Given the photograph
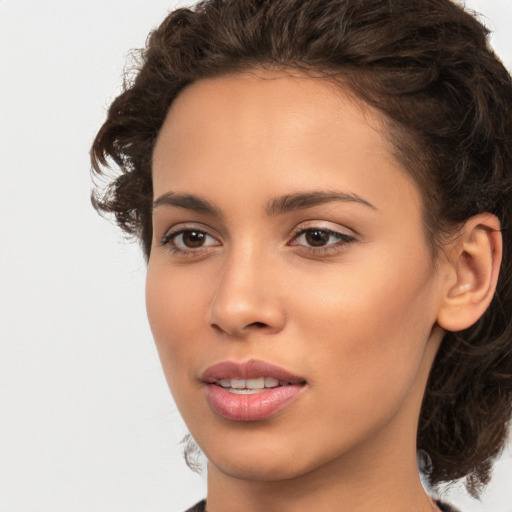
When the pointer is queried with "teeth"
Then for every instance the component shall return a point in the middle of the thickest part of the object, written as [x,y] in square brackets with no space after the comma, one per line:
[247,386]
[244,391]
[255,383]
[270,382]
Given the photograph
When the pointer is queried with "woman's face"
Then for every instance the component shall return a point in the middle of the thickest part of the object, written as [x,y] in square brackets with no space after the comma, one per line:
[289,253]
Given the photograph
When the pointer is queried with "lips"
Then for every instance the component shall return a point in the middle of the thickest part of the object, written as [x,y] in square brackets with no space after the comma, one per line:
[251,369]
[250,391]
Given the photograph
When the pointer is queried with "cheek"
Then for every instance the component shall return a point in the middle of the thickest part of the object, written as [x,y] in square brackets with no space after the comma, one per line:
[366,329]
[176,311]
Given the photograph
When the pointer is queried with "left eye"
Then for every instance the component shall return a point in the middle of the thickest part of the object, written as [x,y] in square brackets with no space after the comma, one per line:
[187,239]
[317,237]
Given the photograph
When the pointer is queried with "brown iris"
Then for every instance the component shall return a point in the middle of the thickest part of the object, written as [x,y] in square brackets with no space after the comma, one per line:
[317,237]
[193,238]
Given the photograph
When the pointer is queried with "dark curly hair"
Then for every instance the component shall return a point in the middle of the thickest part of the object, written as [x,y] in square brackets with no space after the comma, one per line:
[447,98]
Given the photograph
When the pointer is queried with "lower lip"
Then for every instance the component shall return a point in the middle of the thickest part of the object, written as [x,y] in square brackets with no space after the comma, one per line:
[253,407]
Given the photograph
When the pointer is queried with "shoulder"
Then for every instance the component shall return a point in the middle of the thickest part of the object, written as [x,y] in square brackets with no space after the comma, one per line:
[198,507]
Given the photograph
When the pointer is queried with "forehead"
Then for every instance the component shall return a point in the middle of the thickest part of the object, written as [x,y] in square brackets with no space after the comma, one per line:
[290,131]
[273,105]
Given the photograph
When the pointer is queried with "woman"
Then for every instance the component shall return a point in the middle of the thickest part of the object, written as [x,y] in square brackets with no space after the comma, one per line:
[322,190]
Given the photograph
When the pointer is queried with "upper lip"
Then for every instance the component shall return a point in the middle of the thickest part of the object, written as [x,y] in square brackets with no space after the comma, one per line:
[251,369]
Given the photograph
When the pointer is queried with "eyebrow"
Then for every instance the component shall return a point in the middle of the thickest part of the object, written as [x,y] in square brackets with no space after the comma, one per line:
[276,206]
[187,202]
[302,200]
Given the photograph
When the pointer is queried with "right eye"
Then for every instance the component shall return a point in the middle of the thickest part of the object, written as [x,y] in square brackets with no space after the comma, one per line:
[189,240]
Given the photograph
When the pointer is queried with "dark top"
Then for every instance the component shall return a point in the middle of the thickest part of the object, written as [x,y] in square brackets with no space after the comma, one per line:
[201,507]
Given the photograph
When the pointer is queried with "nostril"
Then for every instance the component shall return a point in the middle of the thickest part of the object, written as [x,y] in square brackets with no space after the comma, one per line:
[257,324]
[216,327]
[235,331]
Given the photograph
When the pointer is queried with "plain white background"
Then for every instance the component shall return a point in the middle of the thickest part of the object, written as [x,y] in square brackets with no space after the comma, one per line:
[86,421]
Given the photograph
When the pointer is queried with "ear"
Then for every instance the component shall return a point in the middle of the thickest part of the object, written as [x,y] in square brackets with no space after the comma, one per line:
[473,265]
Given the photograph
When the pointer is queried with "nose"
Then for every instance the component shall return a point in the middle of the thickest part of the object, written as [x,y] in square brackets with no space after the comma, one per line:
[248,297]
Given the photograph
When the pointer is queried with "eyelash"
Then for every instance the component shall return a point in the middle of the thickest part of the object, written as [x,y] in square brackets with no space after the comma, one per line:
[343,240]
[169,241]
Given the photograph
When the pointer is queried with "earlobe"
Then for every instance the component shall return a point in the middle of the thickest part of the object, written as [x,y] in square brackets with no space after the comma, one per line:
[474,263]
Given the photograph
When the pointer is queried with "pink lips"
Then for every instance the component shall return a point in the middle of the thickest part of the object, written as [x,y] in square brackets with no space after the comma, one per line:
[250,407]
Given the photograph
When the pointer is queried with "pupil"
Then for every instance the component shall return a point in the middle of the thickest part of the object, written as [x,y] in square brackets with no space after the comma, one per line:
[316,237]
[193,238]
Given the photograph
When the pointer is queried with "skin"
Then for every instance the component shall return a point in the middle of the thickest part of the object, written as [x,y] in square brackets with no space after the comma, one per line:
[357,320]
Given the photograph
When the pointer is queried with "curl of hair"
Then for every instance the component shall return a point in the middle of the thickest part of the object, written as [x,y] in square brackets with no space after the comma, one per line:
[447,98]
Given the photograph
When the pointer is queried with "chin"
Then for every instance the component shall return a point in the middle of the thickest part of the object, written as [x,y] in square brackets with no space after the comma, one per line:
[250,453]
[265,456]
[266,468]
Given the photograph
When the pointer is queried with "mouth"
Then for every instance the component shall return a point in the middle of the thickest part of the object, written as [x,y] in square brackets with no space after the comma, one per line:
[250,386]
[250,391]
[251,376]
